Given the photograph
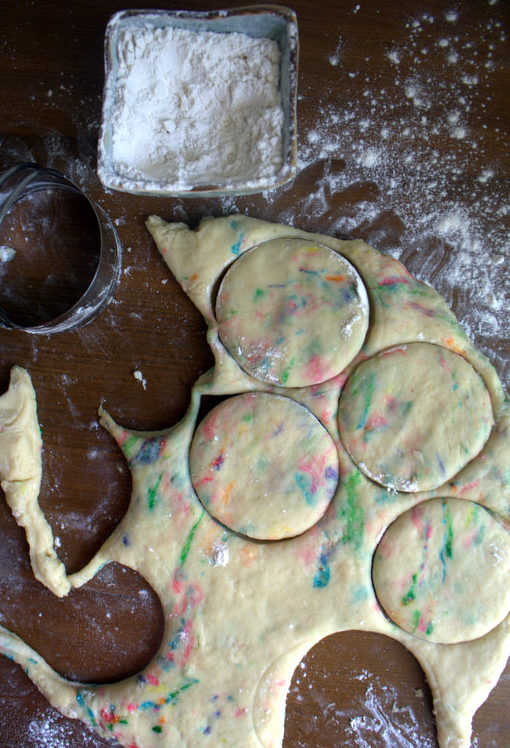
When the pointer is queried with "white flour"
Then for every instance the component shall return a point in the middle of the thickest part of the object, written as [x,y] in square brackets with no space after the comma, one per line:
[197,108]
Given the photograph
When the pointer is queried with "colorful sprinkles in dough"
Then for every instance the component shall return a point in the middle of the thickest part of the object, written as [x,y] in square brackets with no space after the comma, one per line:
[264,466]
[413,416]
[292,312]
[441,571]
[240,613]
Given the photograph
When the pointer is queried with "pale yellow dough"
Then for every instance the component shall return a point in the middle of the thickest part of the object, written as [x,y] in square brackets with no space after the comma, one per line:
[441,571]
[239,614]
[20,476]
[414,415]
[264,466]
[292,312]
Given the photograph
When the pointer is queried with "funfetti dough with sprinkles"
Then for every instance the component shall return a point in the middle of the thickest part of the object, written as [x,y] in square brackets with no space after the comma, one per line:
[264,466]
[413,415]
[359,481]
[292,312]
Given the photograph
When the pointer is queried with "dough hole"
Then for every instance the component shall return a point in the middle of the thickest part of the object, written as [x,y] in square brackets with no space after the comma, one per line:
[358,688]
[413,416]
[84,521]
[292,312]
[441,571]
[106,631]
[263,465]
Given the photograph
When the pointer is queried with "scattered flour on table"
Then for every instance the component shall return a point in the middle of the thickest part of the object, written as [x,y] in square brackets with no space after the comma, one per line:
[376,717]
[47,731]
[6,253]
[383,720]
[397,156]
[196,107]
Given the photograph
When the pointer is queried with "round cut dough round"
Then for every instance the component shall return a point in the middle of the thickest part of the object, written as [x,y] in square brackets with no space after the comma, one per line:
[412,416]
[264,466]
[441,571]
[292,312]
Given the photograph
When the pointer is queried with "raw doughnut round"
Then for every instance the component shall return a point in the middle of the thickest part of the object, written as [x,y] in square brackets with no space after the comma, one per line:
[292,312]
[263,465]
[441,571]
[412,416]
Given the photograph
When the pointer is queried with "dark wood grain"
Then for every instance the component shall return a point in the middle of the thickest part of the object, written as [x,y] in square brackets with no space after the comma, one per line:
[51,73]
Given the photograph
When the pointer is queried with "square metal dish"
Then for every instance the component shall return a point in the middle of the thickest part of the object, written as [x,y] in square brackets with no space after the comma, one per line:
[272,22]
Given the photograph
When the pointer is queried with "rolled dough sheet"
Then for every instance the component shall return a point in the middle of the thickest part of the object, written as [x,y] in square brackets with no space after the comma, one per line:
[240,613]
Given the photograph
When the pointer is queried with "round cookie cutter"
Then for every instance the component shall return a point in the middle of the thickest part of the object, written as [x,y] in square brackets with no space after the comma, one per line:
[23,181]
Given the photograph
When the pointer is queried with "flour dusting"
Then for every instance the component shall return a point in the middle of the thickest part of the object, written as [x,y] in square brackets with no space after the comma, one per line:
[376,715]
[196,108]
[378,721]
[49,730]
[6,253]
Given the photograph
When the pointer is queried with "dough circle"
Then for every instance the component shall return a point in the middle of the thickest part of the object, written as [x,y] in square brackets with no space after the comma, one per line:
[263,465]
[412,416]
[441,571]
[292,312]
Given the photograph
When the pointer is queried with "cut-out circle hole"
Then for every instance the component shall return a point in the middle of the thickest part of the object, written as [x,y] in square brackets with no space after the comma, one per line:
[103,632]
[359,688]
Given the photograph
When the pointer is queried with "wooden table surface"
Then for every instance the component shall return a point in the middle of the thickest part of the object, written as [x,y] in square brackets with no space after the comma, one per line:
[403,141]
